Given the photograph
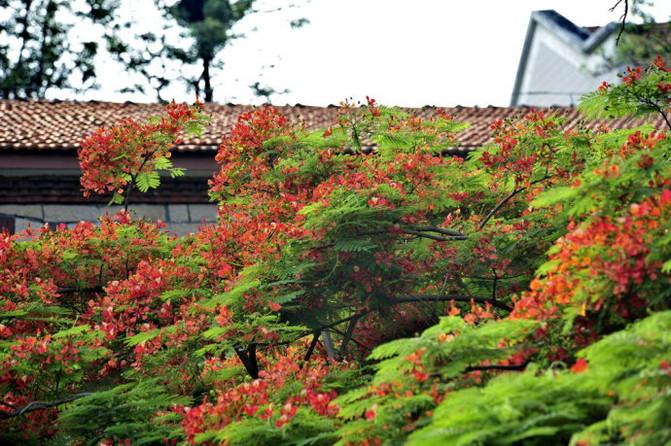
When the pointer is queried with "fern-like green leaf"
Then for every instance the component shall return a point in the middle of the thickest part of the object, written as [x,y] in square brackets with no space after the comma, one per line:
[148,180]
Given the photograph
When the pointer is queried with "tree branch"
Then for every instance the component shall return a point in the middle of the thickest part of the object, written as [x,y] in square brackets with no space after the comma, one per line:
[659,109]
[367,347]
[248,358]
[348,336]
[328,344]
[408,298]
[96,289]
[421,231]
[516,367]
[439,230]
[433,237]
[507,199]
[39,405]
[623,18]
[311,349]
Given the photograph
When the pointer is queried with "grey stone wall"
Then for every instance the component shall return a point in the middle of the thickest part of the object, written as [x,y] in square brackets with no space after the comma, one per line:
[181,219]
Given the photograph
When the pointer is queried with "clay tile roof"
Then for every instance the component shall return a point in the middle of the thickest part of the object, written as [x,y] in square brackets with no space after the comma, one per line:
[50,126]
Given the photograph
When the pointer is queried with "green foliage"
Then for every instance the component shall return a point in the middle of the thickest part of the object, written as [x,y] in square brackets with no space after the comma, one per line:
[349,296]
[514,409]
[633,366]
[305,428]
[411,372]
[128,412]
[627,183]
[148,180]
[642,92]
[623,397]
[449,355]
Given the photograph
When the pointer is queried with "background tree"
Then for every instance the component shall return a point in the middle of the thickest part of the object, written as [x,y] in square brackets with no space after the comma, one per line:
[39,48]
[209,23]
[642,41]
[35,52]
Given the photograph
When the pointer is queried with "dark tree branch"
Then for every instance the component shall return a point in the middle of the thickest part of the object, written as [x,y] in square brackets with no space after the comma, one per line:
[335,330]
[475,368]
[131,183]
[499,206]
[623,18]
[495,277]
[439,230]
[38,405]
[96,289]
[251,353]
[248,358]
[407,298]
[507,199]
[659,109]
[516,367]
[348,336]
[311,349]
[431,236]
[416,230]
[421,231]
[11,406]
[128,192]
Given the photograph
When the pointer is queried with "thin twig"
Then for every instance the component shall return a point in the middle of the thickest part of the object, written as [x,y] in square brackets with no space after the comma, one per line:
[623,18]
[659,109]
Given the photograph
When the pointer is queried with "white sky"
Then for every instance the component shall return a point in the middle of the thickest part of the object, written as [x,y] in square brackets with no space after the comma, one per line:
[401,52]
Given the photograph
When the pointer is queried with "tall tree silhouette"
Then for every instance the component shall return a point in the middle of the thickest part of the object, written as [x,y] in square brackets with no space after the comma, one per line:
[209,22]
[35,52]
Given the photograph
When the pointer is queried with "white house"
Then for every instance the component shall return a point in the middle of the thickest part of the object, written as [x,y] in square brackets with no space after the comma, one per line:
[561,61]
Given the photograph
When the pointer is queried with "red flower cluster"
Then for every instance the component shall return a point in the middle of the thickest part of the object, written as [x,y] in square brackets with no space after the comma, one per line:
[260,397]
[113,157]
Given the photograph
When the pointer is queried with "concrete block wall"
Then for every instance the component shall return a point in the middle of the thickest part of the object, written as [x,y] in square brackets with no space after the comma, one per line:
[180,219]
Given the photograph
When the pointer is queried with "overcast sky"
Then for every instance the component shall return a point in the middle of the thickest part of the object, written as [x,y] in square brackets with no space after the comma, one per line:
[401,52]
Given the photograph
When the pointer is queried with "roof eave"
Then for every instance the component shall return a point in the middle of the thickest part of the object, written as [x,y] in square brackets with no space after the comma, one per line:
[598,37]
[522,66]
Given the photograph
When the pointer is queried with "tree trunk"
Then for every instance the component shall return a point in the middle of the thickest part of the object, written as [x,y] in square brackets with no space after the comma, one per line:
[207,79]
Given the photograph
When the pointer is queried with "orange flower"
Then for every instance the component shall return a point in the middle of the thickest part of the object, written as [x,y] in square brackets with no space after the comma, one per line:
[579,366]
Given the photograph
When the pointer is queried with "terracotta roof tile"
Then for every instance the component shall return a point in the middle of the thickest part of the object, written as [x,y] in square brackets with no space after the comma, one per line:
[62,125]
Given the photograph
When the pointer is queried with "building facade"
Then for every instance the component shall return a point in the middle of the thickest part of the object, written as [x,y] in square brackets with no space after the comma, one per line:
[39,169]
[562,61]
